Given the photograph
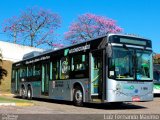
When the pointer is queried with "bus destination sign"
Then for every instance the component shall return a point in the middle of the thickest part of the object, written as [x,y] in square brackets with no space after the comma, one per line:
[78,49]
[133,41]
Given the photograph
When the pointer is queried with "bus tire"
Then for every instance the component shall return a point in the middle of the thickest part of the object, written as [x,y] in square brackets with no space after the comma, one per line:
[78,96]
[29,93]
[23,93]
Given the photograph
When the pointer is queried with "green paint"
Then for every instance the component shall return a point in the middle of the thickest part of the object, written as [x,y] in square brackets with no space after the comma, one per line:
[83,58]
[66,51]
[128,87]
[43,75]
[145,65]
[36,84]
[157,87]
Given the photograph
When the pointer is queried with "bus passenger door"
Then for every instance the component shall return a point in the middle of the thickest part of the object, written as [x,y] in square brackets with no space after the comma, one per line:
[96,73]
[45,79]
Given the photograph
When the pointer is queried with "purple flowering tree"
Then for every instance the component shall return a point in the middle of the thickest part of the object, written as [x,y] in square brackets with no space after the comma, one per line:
[89,26]
[11,28]
[34,27]
[56,44]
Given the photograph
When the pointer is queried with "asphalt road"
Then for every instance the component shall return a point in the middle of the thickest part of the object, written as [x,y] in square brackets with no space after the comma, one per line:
[49,109]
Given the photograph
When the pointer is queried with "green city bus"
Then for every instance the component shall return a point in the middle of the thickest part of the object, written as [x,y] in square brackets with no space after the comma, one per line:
[112,68]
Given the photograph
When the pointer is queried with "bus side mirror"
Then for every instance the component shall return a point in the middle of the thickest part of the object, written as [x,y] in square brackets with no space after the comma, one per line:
[109,51]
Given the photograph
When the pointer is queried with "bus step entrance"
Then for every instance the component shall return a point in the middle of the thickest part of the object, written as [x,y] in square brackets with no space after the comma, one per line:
[96,100]
[96,97]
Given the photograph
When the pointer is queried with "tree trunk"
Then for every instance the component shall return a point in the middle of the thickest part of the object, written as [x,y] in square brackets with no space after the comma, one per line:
[32,39]
[15,36]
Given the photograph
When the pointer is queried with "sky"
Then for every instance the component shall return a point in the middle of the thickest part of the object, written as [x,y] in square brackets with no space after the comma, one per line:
[141,17]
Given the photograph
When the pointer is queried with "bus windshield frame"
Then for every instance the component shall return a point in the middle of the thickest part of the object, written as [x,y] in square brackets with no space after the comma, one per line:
[130,63]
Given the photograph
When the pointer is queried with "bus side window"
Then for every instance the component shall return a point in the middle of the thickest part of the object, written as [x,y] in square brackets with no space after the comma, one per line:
[23,72]
[55,68]
[79,63]
[64,68]
[79,66]
[30,71]
[37,70]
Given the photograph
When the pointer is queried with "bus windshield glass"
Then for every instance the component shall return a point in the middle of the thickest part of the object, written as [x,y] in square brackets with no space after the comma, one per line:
[144,65]
[130,64]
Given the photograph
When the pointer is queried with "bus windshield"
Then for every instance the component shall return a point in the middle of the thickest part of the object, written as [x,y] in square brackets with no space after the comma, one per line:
[144,65]
[130,64]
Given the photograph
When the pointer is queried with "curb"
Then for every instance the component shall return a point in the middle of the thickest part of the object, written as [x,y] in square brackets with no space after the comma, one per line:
[24,104]
[7,94]
[7,104]
[16,104]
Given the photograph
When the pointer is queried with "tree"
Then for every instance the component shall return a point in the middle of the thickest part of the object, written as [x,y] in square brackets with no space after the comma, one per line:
[89,26]
[56,45]
[156,58]
[3,72]
[35,26]
[11,28]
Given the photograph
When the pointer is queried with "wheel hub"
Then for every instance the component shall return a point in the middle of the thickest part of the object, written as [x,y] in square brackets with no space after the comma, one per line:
[29,93]
[78,95]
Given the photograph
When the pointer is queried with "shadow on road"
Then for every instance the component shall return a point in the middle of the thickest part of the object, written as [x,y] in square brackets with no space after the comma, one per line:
[156,95]
[105,106]
[109,106]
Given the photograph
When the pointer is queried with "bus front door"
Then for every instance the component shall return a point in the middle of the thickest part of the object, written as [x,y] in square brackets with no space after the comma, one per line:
[45,79]
[96,73]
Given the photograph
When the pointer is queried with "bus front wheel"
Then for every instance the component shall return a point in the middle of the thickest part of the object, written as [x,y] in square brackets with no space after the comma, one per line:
[78,96]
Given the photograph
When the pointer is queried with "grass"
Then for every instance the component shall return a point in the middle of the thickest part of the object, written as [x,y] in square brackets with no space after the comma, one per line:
[4,99]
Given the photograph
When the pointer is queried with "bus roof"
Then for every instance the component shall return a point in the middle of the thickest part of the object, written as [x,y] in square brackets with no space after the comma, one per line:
[54,50]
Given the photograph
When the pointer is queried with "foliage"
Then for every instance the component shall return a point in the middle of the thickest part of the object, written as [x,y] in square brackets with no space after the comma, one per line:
[3,72]
[89,26]
[156,58]
[34,26]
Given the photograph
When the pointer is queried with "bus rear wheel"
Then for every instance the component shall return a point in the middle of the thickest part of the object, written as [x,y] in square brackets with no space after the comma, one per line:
[23,93]
[29,94]
[78,96]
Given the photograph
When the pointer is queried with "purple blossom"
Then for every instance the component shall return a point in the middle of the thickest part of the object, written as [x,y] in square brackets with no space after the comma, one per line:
[58,45]
[89,26]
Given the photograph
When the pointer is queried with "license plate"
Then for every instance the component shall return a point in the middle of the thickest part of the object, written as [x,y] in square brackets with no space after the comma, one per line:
[135,99]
